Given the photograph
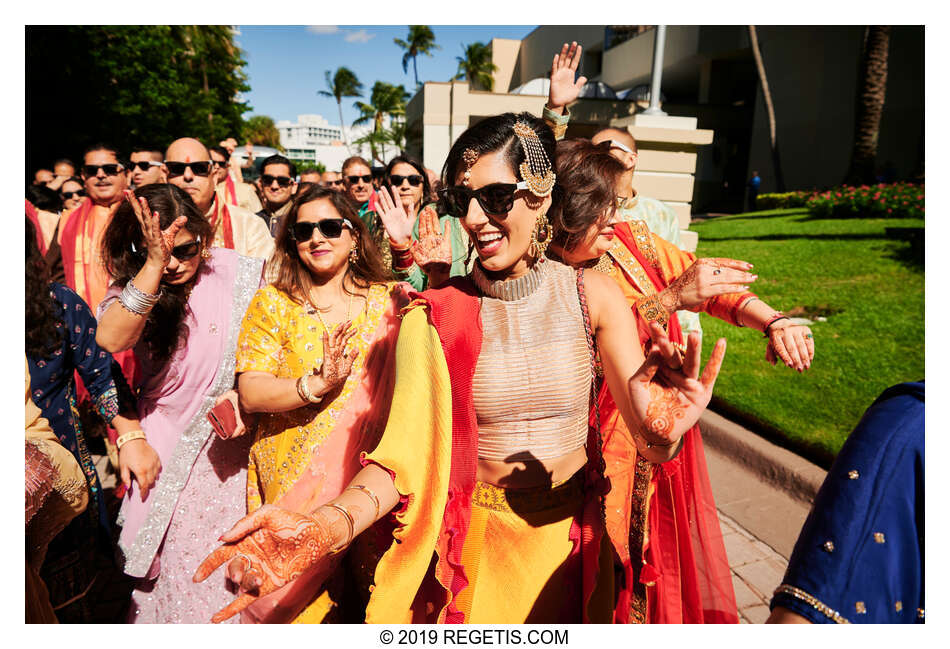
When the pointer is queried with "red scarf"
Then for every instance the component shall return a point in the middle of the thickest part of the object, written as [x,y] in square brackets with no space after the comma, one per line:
[229,190]
[221,213]
[31,214]
[684,556]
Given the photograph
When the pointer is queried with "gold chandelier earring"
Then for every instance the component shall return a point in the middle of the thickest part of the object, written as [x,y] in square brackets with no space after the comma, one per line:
[354,254]
[540,236]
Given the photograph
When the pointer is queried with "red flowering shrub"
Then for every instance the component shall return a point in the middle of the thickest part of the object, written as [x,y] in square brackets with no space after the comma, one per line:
[898,200]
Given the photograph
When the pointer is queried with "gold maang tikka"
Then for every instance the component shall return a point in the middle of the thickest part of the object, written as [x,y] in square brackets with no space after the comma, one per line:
[536,170]
[470,157]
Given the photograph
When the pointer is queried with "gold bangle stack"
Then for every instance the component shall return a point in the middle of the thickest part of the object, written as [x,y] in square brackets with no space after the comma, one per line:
[369,492]
[303,390]
[128,437]
[351,526]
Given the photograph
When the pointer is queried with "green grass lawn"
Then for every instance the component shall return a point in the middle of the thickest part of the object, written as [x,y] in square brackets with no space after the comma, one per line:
[870,288]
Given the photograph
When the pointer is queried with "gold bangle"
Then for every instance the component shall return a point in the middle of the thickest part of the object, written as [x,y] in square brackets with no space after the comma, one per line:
[351,525]
[128,437]
[303,390]
[369,492]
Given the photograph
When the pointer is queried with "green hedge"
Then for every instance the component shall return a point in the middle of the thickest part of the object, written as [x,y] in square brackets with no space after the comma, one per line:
[783,201]
[900,200]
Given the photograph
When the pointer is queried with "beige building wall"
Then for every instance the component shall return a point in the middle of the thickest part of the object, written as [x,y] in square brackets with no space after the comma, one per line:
[538,48]
[504,54]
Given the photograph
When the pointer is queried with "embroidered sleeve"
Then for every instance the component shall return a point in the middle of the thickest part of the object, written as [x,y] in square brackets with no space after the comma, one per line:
[259,342]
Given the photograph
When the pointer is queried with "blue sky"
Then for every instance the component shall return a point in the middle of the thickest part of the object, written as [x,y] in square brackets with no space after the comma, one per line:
[285,65]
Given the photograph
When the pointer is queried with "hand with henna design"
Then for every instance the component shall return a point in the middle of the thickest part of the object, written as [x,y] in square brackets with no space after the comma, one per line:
[266,550]
[337,360]
[668,395]
[158,242]
[706,278]
[432,252]
[794,344]
[396,219]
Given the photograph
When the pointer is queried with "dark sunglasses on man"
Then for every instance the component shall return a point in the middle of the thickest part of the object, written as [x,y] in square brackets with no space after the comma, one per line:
[396,180]
[112,169]
[282,181]
[329,228]
[220,164]
[368,178]
[335,183]
[200,168]
[496,199]
[79,193]
[144,165]
[184,252]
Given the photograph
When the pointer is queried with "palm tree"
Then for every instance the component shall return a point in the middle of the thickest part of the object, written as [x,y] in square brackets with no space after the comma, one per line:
[261,130]
[377,141]
[421,40]
[476,66]
[396,135]
[342,84]
[869,105]
[385,99]
[770,109]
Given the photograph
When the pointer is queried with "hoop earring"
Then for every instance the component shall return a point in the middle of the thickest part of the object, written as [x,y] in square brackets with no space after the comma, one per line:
[354,254]
[540,237]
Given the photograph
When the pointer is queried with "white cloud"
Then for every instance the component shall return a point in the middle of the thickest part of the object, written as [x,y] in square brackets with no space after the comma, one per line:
[359,36]
[323,29]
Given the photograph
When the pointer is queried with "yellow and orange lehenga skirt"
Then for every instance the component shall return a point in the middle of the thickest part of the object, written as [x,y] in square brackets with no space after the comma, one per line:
[518,557]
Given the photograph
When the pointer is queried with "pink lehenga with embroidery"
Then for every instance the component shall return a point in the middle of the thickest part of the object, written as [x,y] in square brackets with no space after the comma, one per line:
[200,491]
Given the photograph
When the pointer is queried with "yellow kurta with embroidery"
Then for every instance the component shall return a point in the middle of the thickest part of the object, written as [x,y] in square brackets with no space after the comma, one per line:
[280,338]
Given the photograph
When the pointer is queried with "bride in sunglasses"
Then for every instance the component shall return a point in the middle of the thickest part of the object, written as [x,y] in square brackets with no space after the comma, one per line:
[316,357]
[487,459]
[178,304]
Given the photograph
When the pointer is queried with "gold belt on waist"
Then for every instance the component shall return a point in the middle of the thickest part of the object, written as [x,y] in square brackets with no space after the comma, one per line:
[531,500]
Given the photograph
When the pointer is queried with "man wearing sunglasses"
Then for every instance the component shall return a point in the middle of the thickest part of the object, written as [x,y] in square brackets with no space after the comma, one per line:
[333,180]
[146,166]
[631,206]
[277,184]
[104,179]
[358,183]
[228,189]
[188,166]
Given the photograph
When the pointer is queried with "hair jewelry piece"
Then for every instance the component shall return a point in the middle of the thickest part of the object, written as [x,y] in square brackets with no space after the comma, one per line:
[470,157]
[536,169]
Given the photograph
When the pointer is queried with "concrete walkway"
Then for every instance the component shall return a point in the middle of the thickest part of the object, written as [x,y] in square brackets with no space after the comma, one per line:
[763,494]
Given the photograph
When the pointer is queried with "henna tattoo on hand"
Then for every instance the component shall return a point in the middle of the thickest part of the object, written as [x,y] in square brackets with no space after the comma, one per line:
[663,409]
[283,546]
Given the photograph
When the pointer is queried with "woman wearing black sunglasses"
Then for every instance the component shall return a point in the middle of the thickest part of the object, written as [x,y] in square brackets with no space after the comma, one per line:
[315,355]
[487,456]
[404,207]
[178,304]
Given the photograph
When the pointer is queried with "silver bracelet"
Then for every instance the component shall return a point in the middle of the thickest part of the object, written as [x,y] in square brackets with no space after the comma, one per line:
[136,301]
[305,388]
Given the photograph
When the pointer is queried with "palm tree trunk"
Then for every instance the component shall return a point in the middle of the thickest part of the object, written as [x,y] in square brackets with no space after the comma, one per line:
[869,105]
[770,109]
[415,72]
[339,105]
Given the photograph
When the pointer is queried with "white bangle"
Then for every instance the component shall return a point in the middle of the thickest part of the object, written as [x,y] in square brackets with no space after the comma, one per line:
[137,301]
[128,437]
[304,386]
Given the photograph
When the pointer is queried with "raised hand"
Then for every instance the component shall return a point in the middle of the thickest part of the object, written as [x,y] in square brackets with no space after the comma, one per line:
[158,242]
[265,551]
[432,252]
[564,89]
[337,359]
[668,394]
[794,344]
[706,278]
[396,220]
